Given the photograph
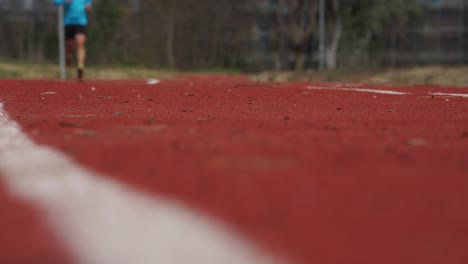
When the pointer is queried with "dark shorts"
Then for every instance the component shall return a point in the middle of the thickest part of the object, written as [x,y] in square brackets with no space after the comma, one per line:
[72,30]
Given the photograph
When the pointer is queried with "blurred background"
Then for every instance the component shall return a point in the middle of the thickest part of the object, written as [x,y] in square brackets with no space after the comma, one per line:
[249,35]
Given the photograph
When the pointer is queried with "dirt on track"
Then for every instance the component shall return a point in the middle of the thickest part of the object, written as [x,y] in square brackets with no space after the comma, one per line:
[319,176]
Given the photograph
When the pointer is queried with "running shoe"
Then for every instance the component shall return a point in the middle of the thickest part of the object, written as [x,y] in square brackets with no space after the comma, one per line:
[80,74]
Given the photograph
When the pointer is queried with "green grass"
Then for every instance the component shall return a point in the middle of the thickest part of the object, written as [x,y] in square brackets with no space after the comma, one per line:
[429,75]
[21,70]
[5,73]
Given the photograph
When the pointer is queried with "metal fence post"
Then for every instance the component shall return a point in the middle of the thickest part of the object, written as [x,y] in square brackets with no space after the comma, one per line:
[61,35]
[322,34]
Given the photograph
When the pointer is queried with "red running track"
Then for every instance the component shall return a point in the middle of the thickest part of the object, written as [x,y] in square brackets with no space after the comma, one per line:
[319,176]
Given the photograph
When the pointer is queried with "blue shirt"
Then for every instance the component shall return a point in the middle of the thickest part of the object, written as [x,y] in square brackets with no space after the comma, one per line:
[75,12]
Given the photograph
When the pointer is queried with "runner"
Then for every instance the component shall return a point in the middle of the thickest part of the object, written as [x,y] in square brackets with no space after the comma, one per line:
[76,23]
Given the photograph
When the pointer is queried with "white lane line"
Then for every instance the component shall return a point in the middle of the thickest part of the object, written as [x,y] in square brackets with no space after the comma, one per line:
[363,90]
[450,94]
[105,222]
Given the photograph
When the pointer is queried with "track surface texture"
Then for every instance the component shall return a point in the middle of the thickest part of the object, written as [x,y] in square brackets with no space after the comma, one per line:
[315,173]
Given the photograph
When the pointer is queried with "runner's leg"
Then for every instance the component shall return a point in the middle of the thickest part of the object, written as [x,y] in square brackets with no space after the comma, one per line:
[80,41]
[70,45]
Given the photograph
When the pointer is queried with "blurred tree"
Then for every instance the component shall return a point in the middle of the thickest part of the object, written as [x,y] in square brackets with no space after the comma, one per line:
[189,34]
[358,21]
[171,12]
[105,15]
[186,34]
[336,26]
[296,20]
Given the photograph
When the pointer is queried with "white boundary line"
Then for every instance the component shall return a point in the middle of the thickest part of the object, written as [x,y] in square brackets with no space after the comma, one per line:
[449,94]
[363,90]
[389,92]
[104,222]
